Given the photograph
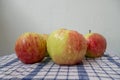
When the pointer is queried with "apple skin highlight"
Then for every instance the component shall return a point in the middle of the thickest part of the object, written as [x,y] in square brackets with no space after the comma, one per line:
[96,45]
[66,47]
[30,48]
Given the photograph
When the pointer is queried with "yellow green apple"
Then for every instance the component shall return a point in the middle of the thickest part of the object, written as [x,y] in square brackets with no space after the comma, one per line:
[30,47]
[66,47]
[96,45]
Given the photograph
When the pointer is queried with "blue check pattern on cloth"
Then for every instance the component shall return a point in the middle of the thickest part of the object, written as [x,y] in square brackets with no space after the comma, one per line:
[103,68]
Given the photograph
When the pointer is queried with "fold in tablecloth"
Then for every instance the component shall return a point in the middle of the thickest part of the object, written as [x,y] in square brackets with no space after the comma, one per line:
[103,68]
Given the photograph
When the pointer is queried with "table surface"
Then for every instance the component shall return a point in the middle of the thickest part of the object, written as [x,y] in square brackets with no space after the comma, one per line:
[106,67]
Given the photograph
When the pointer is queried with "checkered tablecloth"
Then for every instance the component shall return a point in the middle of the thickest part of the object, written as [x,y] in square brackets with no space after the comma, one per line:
[104,68]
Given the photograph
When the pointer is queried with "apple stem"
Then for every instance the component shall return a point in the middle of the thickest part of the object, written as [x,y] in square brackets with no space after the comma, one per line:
[89,31]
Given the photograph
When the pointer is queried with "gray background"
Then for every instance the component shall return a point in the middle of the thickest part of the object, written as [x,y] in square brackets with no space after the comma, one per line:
[44,16]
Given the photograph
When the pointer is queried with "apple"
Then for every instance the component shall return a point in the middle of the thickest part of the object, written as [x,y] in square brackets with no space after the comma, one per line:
[30,47]
[66,47]
[45,37]
[96,45]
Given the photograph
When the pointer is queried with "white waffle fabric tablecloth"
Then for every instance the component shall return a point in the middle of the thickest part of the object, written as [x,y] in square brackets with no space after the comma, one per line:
[103,68]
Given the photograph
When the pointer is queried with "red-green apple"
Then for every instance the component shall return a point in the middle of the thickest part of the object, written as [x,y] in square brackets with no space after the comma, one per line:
[45,37]
[30,47]
[66,47]
[96,45]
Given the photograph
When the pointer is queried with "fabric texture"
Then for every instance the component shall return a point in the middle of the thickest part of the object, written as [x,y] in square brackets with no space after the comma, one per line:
[103,68]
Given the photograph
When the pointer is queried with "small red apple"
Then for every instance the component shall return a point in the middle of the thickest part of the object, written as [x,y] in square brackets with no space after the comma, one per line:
[66,47]
[96,45]
[30,48]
